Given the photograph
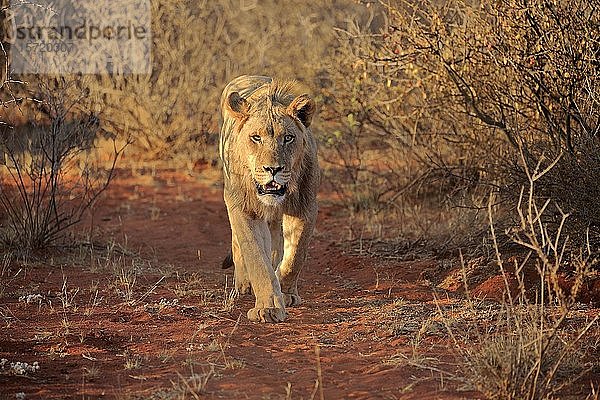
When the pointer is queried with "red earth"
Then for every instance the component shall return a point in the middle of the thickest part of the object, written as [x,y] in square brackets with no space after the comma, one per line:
[143,310]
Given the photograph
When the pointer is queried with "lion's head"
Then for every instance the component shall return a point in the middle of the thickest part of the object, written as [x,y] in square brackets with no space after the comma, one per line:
[272,132]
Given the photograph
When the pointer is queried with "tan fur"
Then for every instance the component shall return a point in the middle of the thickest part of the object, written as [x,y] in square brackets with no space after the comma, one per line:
[266,128]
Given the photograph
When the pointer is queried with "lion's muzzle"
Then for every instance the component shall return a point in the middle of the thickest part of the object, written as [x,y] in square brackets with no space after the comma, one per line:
[276,182]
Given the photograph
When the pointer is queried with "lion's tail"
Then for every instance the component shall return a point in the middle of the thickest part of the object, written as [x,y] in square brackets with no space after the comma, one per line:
[227,261]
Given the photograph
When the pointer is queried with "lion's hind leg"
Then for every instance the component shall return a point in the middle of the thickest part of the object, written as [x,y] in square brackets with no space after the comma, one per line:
[276,242]
[240,275]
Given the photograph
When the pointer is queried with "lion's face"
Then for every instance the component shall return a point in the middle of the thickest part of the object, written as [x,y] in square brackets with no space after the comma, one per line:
[272,141]
[273,151]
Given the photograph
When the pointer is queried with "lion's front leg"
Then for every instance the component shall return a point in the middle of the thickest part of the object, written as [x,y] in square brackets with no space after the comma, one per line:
[254,242]
[297,232]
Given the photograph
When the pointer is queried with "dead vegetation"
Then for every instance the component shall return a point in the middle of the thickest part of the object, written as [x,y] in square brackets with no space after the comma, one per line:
[534,352]
[457,94]
[51,177]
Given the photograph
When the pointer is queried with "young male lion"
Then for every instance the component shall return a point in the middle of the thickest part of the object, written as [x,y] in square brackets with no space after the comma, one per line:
[271,178]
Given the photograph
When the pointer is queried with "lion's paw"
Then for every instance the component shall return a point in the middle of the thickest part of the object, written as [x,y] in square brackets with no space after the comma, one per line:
[272,310]
[240,277]
[243,287]
[267,314]
[292,299]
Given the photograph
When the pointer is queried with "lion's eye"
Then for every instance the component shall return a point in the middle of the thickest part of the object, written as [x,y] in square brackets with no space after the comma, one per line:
[255,138]
[288,138]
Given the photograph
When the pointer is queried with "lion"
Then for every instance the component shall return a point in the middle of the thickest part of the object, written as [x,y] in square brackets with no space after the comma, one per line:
[271,177]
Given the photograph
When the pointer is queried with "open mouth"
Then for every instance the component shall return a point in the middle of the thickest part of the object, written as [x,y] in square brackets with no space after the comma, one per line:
[272,189]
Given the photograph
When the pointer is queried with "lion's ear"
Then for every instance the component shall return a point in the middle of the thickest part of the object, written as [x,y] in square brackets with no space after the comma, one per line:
[237,106]
[303,108]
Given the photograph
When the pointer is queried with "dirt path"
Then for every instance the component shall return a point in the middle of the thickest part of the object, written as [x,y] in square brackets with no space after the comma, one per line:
[162,326]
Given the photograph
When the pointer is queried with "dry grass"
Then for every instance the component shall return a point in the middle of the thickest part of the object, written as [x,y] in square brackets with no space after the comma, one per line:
[523,360]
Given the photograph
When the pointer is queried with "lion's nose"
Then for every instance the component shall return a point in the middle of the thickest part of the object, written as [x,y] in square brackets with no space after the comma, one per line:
[273,170]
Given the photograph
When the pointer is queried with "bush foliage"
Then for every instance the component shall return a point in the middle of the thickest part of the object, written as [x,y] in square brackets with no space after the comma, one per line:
[428,102]
[477,93]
